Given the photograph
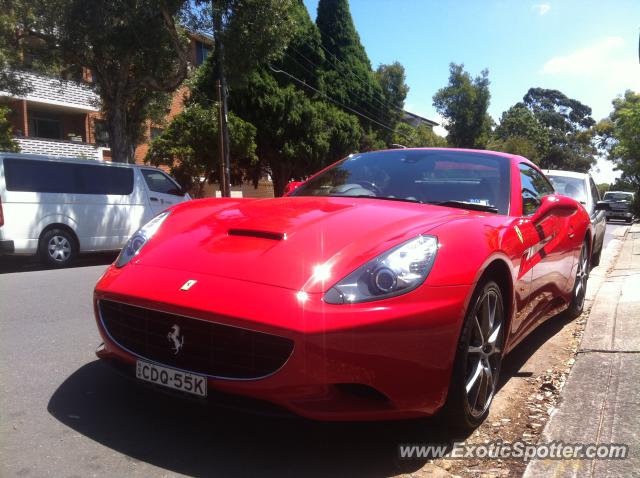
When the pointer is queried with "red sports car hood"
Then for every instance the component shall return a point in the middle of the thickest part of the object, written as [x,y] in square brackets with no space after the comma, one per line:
[281,241]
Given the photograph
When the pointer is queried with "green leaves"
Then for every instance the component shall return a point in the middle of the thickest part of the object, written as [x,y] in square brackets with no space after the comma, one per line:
[420,137]
[189,146]
[7,143]
[296,134]
[621,132]
[520,132]
[464,103]
[568,124]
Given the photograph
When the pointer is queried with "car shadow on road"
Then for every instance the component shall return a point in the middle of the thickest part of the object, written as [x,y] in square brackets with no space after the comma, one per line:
[9,264]
[198,439]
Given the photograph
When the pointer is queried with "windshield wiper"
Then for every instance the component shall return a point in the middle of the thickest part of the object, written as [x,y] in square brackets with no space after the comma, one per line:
[465,205]
[386,198]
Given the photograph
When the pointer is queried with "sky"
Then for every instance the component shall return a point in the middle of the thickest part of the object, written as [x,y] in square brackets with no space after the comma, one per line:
[588,49]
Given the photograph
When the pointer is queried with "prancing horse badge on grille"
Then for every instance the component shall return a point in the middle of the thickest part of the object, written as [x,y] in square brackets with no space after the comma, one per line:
[176,339]
[188,285]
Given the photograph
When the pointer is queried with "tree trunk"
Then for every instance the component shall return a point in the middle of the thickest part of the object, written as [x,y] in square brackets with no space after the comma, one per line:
[118,143]
[280,175]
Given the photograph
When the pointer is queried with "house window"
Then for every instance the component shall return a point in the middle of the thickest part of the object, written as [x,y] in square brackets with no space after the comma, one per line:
[101,133]
[45,127]
[202,52]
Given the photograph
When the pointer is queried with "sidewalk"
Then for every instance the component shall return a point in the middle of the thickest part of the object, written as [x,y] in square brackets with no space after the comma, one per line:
[600,402]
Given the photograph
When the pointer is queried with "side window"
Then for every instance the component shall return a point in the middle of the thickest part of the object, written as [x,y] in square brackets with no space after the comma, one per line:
[160,183]
[66,178]
[534,187]
[594,191]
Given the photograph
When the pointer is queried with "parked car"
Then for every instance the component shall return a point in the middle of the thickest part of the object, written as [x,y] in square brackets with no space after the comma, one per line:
[58,207]
[620,205]
[389,285]
[582,188]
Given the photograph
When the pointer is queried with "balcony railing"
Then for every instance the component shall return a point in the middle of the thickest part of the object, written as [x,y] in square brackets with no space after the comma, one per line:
[54,147]
[52,90]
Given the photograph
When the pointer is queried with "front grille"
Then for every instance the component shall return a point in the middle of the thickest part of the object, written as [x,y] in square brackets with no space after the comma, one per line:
[207,347]
[619,207]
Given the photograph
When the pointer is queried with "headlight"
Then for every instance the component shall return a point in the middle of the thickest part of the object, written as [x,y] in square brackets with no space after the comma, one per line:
[395,272]
[139,239]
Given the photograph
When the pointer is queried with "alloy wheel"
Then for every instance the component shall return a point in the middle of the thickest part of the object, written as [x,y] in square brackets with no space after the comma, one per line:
[484,353]
[59,248]
[582,275]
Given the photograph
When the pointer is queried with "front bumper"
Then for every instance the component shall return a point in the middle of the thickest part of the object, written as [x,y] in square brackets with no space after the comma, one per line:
[619,214]
[378,360]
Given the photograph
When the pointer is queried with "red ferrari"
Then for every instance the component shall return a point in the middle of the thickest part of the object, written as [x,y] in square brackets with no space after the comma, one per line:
[389,285]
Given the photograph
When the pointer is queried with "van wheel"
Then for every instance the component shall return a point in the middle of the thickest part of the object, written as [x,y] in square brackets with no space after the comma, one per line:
[57,247]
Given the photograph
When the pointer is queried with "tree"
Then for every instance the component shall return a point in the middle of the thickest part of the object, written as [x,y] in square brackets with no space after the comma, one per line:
[520,145]
[520,132]
[392,80]
[7,143]
[20,50]
[348,76]
[417,137]
[135,52]
[296,134]
[569,126]
[189,146]
[464,103]
[620,138]
[250,32]
[603,188]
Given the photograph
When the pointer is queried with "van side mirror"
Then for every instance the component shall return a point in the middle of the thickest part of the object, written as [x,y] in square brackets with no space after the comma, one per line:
[603,206]
[291,186]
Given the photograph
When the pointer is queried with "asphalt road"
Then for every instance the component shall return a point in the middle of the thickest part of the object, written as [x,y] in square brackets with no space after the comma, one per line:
[63,414]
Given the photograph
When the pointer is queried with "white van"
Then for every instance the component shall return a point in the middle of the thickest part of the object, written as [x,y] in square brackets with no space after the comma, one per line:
[58,207]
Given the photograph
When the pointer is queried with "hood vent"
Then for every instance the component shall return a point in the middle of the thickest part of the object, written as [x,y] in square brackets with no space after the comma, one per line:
[274,236]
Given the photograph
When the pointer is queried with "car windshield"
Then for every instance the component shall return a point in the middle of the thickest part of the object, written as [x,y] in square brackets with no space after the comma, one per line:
[448,177]
[609,196]
[572,187]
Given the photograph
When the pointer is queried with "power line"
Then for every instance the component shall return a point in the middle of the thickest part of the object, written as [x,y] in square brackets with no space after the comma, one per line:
[370,94]
[385,102]
[297,80]
[349,92]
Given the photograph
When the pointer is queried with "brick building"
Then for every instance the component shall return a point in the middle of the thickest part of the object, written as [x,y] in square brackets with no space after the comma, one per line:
[62,117]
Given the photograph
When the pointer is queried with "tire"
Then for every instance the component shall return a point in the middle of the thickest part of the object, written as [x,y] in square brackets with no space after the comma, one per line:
[628,221]
[478,359]
[57,247]
[579,291]
[595,260]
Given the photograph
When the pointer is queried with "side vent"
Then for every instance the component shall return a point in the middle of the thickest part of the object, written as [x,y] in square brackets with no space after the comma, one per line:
[274,236]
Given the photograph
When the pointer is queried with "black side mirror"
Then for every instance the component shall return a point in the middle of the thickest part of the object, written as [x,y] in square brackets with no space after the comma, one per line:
[603,206]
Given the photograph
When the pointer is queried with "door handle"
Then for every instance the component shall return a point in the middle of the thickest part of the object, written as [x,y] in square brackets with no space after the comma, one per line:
[571,233]
[153,199]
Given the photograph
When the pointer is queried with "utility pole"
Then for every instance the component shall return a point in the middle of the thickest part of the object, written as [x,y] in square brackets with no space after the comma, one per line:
[221,86]
[221,148]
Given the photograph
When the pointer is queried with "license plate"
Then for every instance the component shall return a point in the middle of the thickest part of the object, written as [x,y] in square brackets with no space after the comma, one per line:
[169,377]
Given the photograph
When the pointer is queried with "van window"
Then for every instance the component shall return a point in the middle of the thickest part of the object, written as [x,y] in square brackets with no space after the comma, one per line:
[66,178]
[160,183]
